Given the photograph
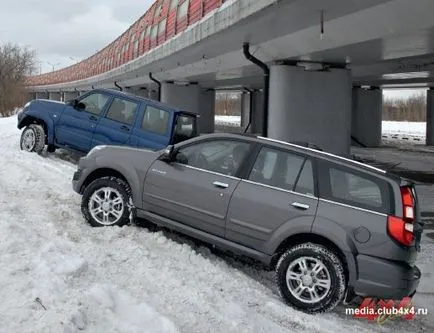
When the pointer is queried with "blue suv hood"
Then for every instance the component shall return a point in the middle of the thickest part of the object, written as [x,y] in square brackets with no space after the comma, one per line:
[48,104]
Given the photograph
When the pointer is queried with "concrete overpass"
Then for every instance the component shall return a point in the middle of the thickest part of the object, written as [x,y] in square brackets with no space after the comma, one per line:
[305,63]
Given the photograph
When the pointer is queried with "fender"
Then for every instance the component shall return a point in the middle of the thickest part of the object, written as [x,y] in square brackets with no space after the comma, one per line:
[299,225]
[127,170]
[46,117]
[335,233]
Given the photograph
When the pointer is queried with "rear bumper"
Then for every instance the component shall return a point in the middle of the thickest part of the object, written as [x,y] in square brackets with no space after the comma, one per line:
[385,278]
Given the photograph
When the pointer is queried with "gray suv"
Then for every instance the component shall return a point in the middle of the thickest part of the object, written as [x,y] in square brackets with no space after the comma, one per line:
[331,227]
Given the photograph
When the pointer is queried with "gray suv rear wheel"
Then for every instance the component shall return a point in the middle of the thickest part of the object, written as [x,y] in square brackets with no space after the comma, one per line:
[311,278]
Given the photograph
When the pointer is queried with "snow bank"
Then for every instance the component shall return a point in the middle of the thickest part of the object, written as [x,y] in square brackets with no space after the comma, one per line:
[60,275]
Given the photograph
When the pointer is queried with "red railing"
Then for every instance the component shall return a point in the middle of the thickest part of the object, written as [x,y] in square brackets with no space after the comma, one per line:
[163,20]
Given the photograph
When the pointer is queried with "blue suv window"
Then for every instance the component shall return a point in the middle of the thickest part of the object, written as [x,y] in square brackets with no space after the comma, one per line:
[155,120]
[123,111]
[95,103]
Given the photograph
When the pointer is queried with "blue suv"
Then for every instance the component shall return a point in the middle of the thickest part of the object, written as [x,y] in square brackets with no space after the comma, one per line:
[103,117]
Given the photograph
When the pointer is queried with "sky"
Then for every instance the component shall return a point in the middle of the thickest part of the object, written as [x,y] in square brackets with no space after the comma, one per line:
[63,32]
[402,93]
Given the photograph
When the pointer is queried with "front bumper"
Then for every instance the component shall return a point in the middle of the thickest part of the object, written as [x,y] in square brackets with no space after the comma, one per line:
[385,278]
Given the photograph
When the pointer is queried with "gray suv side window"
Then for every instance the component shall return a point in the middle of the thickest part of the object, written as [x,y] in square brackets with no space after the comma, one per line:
[221,156]
[122,111]
[354,188]
[95,103]
[283,170]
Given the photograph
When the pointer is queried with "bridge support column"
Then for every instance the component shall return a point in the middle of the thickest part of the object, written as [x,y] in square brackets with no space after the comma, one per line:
[367,116]
[311,106]
[55,96]
[245,109]
[257,112]
[193,99]
[153,94]
[42,95]
[430,117]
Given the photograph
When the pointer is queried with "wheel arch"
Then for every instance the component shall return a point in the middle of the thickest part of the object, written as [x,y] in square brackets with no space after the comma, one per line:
[301,238]
[48,128]
[101,173]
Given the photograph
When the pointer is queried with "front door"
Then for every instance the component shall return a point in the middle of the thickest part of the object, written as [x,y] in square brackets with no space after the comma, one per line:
[116,125]
[77,125]
[197,187]
[278,194]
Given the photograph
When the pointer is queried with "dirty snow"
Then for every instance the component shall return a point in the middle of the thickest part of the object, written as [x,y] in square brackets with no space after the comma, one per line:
[60,275]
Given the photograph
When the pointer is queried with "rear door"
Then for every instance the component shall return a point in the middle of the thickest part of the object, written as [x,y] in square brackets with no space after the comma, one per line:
[196,189]
[278,193]
[153,128]
[115,127]
[76,126]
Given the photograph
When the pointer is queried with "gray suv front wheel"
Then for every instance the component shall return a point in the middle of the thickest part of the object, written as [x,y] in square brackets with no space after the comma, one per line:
[107,202]
[311,278]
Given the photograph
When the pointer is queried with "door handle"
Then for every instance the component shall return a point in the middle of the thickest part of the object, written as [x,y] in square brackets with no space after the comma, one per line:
[93,118]
[220,184]
[300,205]
[125,128]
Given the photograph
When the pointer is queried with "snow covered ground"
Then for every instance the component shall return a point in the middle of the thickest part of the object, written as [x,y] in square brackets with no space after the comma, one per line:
[60,275]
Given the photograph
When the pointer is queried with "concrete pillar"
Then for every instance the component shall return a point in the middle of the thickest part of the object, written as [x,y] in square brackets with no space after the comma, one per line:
[42,95]
[257,112]
[207,111]
[311,106]
[245,109]
[367,115]
[55,96]
[191,98]
[430,117]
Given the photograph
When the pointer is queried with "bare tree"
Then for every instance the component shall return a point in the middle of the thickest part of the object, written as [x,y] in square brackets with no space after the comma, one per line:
[405,109]
[15,64]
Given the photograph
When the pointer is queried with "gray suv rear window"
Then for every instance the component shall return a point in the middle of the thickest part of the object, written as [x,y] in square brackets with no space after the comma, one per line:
[354,188]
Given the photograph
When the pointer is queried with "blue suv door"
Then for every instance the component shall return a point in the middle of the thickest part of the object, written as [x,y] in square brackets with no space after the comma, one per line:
[115,126]
[153,129]
[77,125]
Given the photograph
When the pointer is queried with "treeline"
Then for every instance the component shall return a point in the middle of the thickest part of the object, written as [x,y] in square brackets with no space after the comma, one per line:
[15,64]
[394,109]
[405,109]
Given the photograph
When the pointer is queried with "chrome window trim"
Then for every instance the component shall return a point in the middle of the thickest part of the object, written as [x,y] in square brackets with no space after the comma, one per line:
[280,189]
[353,207]
[324,153]
[207,171]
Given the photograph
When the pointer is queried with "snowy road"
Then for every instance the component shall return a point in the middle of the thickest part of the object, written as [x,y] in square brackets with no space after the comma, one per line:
[131,279]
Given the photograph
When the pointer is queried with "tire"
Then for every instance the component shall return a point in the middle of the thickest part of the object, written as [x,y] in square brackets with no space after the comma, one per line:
[107,211]
[33,139]
[51,148]
[302,291]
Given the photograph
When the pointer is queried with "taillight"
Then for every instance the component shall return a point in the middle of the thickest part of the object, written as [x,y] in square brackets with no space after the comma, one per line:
[401,229]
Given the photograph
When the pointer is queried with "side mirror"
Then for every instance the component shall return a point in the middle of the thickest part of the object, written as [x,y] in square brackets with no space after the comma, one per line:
[169,154]
[77,105]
